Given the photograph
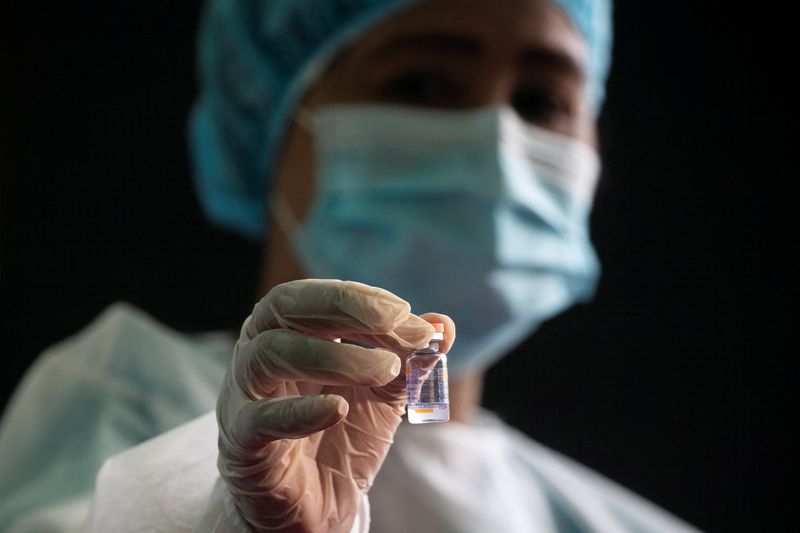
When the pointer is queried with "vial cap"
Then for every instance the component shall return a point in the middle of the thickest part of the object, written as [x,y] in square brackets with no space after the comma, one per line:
[438,329]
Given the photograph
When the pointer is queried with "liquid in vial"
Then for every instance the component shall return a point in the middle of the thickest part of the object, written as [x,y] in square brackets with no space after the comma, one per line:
[426,382]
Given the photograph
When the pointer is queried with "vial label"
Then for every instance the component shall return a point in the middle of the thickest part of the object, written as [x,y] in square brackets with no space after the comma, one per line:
[426,384]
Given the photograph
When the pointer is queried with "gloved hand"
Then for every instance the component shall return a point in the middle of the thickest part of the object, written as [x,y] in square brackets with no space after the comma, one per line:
[305,422]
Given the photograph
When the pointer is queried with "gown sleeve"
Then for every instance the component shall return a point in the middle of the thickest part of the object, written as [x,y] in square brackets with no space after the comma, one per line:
[123,379]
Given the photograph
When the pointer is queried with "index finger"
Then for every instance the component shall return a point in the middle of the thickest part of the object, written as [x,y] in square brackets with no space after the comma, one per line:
[328,308]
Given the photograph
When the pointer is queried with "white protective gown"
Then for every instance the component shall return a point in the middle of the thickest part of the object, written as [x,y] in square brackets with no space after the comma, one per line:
[113,430]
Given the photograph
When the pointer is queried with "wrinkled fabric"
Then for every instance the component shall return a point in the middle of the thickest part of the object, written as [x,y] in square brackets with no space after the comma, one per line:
[122,380]
[466,478]
[484,476]
[475,214]
[304,421]
[256,58]
[170,484]
[487,476]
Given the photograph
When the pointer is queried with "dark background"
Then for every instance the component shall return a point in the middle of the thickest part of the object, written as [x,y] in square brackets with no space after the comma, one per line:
[674,381]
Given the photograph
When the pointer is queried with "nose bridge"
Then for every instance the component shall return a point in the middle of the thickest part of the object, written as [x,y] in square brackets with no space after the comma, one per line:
[494,80]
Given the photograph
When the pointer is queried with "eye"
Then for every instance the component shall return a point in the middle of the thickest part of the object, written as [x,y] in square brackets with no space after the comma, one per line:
[540,106]
[421,88]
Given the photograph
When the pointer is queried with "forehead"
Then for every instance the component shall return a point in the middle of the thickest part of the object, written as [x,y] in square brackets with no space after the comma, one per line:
[489,27]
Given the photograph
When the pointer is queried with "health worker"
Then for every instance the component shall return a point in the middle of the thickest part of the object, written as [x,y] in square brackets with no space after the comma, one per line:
[403,162]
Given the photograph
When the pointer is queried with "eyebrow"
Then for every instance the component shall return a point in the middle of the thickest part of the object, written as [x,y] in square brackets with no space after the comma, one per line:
[553,58]
[470,48]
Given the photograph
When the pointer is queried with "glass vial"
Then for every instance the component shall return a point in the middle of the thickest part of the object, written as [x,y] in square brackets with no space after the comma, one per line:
[426,382]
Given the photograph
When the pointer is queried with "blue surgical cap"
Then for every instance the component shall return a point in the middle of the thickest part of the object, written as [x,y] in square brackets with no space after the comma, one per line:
[256,59]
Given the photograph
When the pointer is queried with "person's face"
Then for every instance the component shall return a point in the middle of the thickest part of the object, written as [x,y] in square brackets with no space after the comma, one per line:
[465,54]
[453,54]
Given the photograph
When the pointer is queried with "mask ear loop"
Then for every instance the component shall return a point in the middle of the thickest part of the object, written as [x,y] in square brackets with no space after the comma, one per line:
[304,118]
[278,206]
[283,215]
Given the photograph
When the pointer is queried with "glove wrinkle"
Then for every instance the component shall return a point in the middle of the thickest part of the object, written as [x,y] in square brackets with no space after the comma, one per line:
[305,423]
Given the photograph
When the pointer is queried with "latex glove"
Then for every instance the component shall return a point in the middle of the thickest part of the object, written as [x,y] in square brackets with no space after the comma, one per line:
[305,422]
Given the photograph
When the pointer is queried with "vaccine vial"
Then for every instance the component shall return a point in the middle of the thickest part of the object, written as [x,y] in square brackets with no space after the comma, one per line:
[426,382]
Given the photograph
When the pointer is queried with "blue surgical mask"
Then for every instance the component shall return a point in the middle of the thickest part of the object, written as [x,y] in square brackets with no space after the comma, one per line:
[475,214]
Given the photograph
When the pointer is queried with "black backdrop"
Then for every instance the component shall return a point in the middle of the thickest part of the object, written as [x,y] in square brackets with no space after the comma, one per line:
[673,381]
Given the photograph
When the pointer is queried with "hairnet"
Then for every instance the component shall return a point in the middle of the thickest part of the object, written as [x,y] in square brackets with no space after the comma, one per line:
[257,57]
